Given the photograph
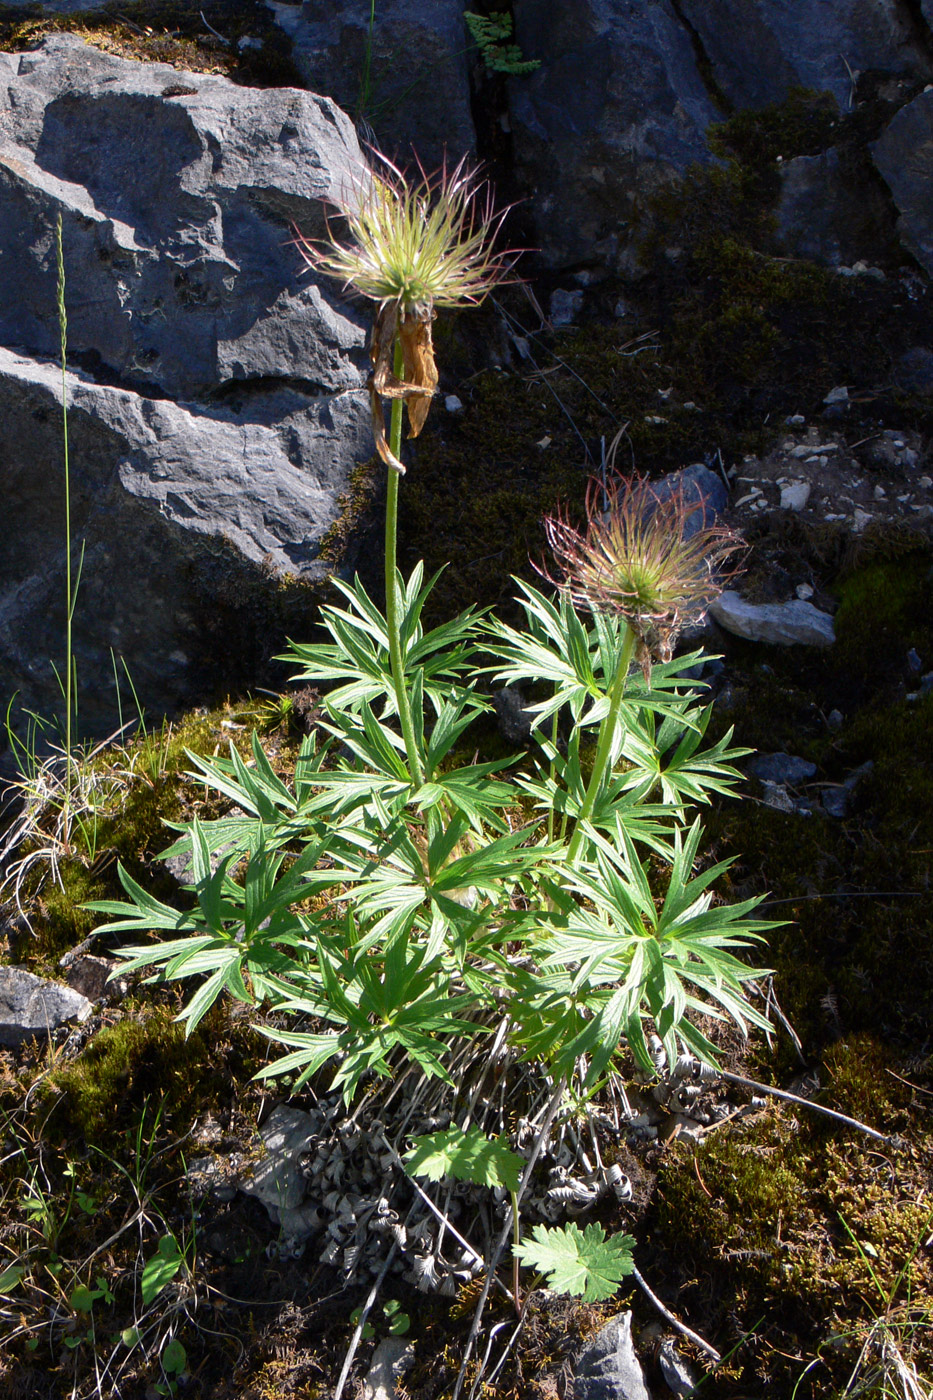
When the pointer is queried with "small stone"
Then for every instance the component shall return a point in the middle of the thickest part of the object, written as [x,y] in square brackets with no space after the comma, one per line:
[32,1006]
[565,307]
[678,1376]
[914,661]
[836,799]
[860,518]
[804,591]
[838,397]
[392,1356]
[834,720]
[608,1368]
[776,795]
[453,404]
[795,496]
[880,493]
[784,624]
[781,768]
[795,420]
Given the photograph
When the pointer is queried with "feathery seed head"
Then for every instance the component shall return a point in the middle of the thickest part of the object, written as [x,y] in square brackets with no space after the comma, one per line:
[635,559]
[422,244]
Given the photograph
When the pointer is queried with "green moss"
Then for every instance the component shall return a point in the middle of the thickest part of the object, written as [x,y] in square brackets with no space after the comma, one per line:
[804,124]
[145,1058]
[747,1212]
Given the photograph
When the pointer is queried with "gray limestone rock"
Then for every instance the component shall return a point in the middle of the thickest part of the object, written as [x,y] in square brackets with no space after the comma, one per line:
[277,1179]
[32,1006]
[702,489]
[759,49]
[781,768]
[216,407]
[392,1356]
[617,108]
[904,156]
[796,623]
[830,209]
[419,93]
[608,1369]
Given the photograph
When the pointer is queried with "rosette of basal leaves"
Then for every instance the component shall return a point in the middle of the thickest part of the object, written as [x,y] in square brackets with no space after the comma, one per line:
[383,1002]
[618,952]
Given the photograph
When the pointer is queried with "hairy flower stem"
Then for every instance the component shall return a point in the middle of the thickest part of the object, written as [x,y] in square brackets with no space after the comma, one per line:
[604,746]
[392,589]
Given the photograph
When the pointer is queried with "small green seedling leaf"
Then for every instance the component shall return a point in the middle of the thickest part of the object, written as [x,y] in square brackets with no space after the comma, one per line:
[174,1358]
[581,1263]
[130,1336]
[366,1331]
[83,1298]
[466,1156]
[161,1268]
[399,1322]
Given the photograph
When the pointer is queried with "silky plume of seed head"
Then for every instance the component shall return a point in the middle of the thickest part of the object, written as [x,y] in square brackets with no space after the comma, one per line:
[411,248]
[645,557]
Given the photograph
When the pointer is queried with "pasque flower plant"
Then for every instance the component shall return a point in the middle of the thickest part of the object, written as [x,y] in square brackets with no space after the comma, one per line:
[400,902]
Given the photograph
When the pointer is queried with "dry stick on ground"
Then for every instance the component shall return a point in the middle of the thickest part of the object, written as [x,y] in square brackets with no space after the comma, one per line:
[540,1140]
[675,1322]
[361,1323]
[807,1103]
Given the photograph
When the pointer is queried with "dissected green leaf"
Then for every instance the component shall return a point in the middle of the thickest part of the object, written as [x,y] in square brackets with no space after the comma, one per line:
[581,1263]
[466,1156]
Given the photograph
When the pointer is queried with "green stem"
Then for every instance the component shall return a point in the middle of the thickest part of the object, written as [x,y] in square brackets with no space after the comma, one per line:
[392,588]
[516,1241]
[604,746]
[69,599]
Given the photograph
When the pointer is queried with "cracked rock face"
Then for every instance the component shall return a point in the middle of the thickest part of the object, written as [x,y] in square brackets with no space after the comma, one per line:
[759,49]
[418,98]
[215,395]
[617,108]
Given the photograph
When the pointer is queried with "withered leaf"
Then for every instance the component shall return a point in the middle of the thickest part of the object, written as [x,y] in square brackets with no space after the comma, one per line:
[413,329]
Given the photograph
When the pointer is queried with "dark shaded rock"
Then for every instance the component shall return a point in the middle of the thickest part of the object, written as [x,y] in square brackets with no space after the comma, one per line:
[830,209]
[608,1369]
[904,156]
[836,800]
[616,110]
[759,49]
[701,488]
[514,719]
[781,768]
[215,392]
[914,372]
[565,306]
[419,93]
[89,975]
[32,1006]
